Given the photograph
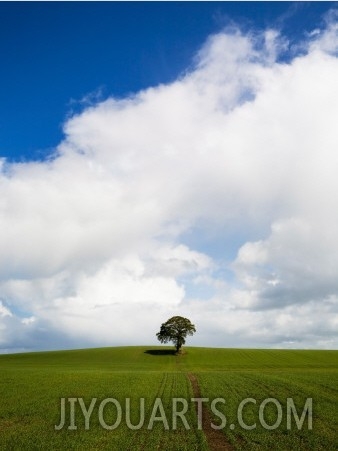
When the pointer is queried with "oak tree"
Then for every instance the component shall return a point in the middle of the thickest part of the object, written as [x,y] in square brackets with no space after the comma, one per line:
[176,330]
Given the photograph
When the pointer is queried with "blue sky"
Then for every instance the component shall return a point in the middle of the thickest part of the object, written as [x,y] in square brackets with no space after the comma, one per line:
[168,158]
[53,55]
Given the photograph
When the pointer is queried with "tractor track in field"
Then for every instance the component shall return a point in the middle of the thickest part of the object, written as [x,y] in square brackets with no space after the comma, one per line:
[140,439]
[216,439]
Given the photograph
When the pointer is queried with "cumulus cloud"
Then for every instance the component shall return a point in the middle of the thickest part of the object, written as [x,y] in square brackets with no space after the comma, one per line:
[93,242]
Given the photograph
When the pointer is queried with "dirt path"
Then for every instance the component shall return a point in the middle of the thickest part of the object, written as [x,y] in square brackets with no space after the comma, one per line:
[216,439]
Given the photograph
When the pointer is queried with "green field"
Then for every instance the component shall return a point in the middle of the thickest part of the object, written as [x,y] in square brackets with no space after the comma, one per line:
[32,385]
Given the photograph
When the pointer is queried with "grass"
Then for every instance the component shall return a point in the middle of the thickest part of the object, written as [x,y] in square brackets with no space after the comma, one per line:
[32,385]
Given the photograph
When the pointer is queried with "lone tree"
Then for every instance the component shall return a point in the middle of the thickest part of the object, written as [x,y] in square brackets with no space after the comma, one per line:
[176,329]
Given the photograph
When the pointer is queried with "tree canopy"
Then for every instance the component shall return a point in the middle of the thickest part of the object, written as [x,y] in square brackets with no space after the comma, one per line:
[176,330]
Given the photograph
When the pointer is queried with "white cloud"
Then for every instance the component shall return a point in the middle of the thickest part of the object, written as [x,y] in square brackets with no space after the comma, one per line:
[4,311]
[29,320]
[93,241]
[295,264]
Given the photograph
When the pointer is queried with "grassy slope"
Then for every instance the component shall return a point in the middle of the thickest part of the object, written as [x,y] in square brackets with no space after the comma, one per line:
[32,384]
[129,358]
